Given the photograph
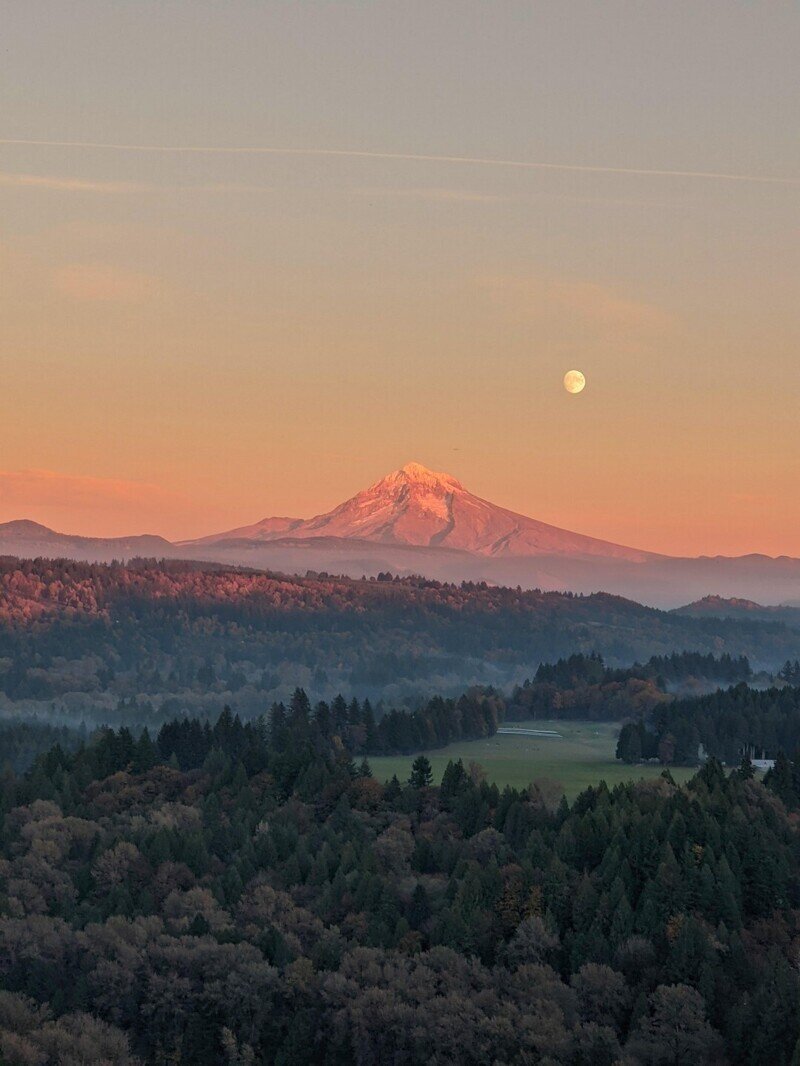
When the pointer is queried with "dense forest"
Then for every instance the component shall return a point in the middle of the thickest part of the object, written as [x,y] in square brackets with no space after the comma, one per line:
[436,723]
[583,687]
[182,885]
[677,667]
[728,724]
[148,641]
[261,898]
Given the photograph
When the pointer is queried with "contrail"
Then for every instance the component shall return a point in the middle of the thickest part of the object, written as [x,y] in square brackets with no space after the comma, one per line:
[352,153]
[35,181]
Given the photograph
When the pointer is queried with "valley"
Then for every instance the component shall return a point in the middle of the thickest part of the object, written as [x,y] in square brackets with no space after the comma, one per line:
[582,756]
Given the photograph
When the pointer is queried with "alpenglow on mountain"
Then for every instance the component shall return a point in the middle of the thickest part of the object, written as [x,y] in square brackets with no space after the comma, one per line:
[419,507]
[416,521]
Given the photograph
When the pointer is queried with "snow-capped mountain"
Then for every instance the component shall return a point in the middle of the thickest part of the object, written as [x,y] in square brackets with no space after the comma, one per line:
[416,521]
[419,507]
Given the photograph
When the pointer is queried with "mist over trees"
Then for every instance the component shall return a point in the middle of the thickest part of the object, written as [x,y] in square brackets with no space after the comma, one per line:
[577,687]
[145,642]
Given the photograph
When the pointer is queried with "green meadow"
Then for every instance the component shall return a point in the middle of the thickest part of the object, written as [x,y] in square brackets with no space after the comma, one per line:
[583,755]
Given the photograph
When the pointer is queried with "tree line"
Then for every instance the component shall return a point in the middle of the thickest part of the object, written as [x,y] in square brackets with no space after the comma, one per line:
[185,743]
[728,724]
[579,669]
[576,687]
[790,672]
[583,686]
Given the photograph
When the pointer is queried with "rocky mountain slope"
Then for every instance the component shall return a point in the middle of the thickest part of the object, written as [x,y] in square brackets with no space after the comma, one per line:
[419,507]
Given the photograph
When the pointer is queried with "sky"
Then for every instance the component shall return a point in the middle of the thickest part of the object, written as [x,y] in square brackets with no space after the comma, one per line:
[191,340]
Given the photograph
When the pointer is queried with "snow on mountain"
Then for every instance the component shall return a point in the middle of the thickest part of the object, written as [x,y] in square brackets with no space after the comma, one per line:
[416,521]
[423,508]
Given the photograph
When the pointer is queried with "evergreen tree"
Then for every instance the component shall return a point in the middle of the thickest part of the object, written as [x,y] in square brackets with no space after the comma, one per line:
[421,773]
[364,769]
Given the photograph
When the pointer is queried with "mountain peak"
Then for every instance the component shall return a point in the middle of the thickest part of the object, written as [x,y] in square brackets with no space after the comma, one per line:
[427,508]
[414,470]
[416,474]
[24,526]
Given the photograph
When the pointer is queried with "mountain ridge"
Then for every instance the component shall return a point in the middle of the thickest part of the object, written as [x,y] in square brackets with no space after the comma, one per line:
[424,508]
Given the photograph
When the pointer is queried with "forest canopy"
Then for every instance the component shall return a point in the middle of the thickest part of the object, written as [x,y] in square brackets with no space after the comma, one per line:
[270,901]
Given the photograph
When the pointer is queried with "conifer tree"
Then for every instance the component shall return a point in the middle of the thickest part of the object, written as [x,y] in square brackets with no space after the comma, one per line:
[421,773]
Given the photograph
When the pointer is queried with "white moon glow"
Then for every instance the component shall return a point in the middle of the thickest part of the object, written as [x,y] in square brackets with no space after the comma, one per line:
[574,381]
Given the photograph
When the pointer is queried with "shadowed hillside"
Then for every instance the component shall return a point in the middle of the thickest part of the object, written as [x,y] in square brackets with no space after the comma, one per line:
[88,637]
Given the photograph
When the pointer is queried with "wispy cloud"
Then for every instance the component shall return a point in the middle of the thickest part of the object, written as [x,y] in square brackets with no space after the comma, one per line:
[228,187]
[434,195]
[101,282]
[21,489]
[56,184]
[411,157]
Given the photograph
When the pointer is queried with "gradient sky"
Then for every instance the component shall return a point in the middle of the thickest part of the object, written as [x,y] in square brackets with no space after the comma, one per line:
[190,341]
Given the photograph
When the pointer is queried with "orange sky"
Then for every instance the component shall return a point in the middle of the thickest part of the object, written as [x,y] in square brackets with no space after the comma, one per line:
[193,341]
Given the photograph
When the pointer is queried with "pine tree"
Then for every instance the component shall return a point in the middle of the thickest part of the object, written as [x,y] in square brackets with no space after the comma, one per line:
[746,769]
[421,773]
[780,780]
[364,770]
[393,789]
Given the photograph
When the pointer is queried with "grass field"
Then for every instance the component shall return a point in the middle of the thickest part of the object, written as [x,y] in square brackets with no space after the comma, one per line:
[583,755]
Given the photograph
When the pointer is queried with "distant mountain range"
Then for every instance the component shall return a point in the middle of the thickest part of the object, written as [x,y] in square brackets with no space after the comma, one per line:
[30,539]
[416,521]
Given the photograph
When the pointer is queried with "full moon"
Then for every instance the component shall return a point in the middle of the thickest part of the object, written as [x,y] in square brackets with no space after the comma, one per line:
[574,381]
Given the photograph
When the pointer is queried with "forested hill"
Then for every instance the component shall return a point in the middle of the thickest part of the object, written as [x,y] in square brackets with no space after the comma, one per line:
[270,902]
[205,633]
